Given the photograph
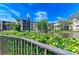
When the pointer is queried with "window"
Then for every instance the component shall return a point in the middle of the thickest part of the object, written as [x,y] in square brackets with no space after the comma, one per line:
[77,25]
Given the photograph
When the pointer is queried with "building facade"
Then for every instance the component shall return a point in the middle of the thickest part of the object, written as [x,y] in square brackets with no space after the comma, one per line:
[4,26]
[25,24]
[75,24]
[56,26]
[50,26]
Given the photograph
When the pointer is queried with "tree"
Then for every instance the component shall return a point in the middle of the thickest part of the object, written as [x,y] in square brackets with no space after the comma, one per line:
[43,26]
[18,26]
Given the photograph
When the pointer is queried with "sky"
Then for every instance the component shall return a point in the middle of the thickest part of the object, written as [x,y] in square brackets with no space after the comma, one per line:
[37,11]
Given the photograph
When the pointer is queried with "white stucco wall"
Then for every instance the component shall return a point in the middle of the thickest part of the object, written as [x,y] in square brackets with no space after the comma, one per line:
[75,25]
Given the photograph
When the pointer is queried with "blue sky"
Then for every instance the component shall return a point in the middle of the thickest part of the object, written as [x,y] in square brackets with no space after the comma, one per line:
[50,11]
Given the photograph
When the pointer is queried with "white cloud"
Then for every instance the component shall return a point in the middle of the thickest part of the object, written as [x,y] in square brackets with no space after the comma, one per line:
[15,12]
[10,10]
[37,19]
[3,12]
[60,19]
[6,15]
[1,5]
[28,15]
[7,19]
[41,15]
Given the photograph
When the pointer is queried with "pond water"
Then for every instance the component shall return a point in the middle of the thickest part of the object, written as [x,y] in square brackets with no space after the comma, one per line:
[71,34]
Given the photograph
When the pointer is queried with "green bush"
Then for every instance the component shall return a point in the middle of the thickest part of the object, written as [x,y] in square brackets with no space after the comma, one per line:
[70,44]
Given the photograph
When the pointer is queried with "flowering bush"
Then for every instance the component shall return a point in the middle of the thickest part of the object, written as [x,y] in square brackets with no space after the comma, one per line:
[70,44]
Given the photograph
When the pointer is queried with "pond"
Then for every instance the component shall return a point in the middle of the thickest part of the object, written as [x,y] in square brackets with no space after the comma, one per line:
[70,34]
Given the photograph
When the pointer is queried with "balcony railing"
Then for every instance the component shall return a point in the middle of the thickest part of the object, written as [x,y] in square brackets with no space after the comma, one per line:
[11,45]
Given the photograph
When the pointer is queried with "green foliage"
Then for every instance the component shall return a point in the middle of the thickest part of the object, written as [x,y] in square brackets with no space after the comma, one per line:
[16,27]
[70,44]
[43,25]
[61,31]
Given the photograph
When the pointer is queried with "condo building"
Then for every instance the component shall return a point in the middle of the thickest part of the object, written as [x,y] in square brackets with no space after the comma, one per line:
[75,24]
[25,24]
[4,26]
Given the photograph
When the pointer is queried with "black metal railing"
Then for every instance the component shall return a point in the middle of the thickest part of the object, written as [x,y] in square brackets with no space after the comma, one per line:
[11,45]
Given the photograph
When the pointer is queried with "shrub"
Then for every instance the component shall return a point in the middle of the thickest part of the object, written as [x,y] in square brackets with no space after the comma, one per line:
[70,44]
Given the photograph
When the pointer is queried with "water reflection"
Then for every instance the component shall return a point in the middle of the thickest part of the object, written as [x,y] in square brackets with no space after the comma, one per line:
[70,34]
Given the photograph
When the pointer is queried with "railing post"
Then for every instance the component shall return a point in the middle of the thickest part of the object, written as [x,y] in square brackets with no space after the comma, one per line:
[13,46]
[21,48]
[7,45]
[27,48]
[45,52]
[11,43]
[37,49]
[24,48]
[2,45]
[18,46]
[31,48]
